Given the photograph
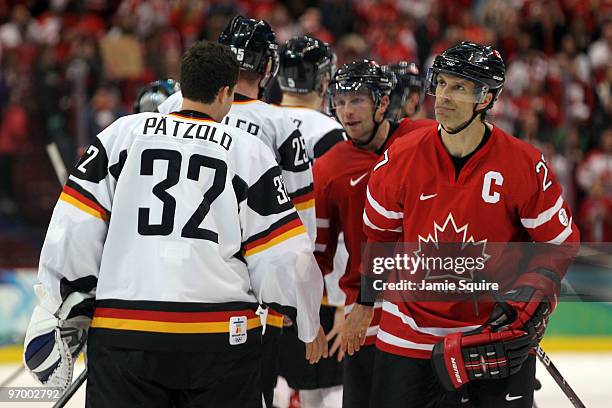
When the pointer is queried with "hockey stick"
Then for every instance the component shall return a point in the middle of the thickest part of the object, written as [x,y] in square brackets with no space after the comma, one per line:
[556,375]
[70,391]
[58,164]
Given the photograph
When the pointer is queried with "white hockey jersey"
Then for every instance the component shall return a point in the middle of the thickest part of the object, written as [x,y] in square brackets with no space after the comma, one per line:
[180,226]
[271,125]
[320,132]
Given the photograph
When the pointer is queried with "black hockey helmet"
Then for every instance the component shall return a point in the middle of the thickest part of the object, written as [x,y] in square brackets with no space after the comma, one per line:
[478,63]
[357,75]
[254,44]
[153,94]
[304,62]
[407,79]
[361,75]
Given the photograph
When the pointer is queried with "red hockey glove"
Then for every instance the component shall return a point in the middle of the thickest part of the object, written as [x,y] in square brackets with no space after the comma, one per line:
[461,358]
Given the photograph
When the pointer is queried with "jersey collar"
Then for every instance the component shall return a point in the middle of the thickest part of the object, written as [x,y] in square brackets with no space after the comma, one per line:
[193,114]
[242,98]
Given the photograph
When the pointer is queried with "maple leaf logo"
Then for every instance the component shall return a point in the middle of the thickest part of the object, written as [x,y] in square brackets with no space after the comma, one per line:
[448,243]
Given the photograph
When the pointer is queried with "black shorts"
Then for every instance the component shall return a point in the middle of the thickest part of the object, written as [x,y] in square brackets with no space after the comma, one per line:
[294,367]
[269,363]
[119,377]
[358,371]
[403,382]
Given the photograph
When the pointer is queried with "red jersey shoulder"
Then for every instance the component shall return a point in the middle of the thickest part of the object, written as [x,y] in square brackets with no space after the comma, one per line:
[334,161]
[516,155]
[412,142]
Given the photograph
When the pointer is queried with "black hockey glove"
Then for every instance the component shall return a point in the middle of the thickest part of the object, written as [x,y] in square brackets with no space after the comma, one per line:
[523,308]
[463,357]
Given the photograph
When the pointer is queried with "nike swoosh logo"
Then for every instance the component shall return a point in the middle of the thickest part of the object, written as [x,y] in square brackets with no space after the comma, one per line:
[509,398]
[424,197]
[358,179]
[464,400]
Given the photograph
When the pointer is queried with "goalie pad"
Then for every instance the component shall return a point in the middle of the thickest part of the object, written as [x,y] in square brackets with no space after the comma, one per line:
[54,340]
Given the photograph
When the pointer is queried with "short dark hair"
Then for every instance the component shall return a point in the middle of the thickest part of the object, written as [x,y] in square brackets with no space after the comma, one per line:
[205,69]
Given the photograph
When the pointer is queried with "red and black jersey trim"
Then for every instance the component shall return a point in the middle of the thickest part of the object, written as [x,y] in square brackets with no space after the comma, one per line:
[168,326]
[242,98]
[303,198]
[76,195]
[283,221]
[302,192]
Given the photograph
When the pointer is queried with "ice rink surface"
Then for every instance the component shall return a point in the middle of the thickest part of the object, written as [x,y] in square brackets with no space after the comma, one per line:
[587,373]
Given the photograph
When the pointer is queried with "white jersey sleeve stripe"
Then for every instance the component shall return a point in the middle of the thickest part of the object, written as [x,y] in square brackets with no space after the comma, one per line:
[559,239]
[369,223]
[544,216]
[392,215]
[392,308]
[398,342]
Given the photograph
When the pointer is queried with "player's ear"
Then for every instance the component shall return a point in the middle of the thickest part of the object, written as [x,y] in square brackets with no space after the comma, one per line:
[224,94]
[487,101]
[382,108]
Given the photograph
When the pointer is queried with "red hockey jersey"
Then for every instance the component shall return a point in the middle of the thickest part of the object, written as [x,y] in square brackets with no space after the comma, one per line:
[341,177]
[504,193]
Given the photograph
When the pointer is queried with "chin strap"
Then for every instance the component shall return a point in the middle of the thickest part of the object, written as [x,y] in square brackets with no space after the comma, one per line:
[465,124]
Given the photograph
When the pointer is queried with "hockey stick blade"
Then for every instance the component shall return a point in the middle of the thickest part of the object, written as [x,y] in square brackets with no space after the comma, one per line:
[556,375]
[70,391]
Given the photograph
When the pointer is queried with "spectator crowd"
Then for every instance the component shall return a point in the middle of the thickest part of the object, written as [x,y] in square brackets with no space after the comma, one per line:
[68,68]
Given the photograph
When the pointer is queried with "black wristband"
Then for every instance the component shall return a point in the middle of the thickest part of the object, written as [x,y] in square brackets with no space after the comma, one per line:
[367,294]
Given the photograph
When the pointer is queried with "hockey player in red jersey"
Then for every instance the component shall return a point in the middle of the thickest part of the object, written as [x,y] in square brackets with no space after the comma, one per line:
[407,94]
[306,67]
[359,97]
[465,181]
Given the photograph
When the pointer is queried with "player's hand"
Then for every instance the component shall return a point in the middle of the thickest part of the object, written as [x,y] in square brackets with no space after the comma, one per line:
[317,348]
[355,327]
[334,334]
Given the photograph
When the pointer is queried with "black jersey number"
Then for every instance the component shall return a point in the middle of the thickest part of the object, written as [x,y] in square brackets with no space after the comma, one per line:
[174,159]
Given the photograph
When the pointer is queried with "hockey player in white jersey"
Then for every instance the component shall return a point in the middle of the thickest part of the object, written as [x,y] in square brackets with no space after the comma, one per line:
[168,234]
[254,44]
[306,68]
